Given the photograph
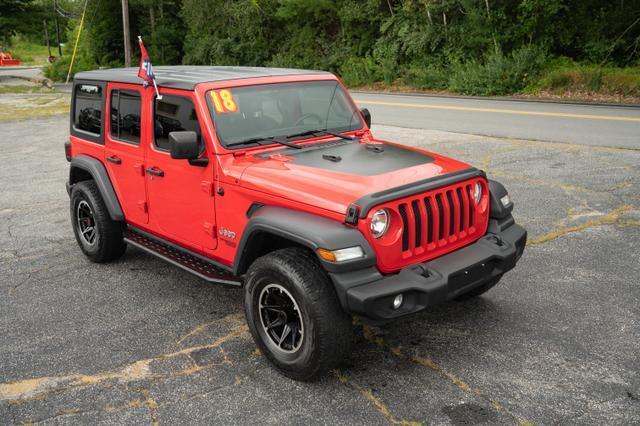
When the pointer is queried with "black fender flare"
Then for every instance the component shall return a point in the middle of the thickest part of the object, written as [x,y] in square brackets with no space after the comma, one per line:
[99,174]
[496,209]
[305,229]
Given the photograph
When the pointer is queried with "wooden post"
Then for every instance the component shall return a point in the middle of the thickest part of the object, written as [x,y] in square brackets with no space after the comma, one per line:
[125,30]
[55,14]
[46,36]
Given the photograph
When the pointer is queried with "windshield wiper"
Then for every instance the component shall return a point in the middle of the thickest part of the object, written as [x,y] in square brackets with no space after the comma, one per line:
[248,142]
[326,132]
[261,141]
[269,139]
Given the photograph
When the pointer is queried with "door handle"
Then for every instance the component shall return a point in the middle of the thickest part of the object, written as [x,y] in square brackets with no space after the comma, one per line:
[155,171]
[113,159]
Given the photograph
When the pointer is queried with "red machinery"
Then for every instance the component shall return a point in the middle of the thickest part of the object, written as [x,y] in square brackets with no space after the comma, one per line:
[6,60]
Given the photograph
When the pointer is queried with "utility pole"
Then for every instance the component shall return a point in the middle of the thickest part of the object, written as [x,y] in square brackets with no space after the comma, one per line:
[55,14]
[125,30]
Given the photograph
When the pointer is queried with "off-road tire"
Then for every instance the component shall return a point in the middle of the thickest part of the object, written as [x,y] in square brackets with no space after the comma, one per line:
[109,244]
[328,330]
[479,290]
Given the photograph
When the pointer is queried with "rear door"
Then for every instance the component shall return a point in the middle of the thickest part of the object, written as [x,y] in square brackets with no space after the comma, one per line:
[124,149]
[181,199]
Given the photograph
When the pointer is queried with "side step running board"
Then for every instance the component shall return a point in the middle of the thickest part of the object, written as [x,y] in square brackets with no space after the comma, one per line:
[181,257]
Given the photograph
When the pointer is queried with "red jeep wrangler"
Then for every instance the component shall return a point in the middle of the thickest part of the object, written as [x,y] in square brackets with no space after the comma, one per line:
[270,179]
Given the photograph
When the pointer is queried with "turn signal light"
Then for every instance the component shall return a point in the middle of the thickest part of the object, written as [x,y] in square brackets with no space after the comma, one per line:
[341,255]
[327,255]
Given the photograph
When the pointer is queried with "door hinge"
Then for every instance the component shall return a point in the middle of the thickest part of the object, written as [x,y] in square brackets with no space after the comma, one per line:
[207,187]
[143,206]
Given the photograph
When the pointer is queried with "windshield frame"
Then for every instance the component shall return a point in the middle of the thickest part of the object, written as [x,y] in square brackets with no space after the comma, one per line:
[279,81]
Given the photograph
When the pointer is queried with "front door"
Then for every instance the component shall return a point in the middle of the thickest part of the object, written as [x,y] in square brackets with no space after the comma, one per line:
[181,199]
[124,150]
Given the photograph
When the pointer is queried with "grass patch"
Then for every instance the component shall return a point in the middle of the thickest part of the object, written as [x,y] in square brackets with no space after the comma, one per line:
[610,81]
[23,113]
[28,52]
[20,89]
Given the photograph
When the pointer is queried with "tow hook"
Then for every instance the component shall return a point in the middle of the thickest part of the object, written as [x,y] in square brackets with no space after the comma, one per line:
[496,240]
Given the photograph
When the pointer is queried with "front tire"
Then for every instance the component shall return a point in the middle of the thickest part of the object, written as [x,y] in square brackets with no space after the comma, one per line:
[100,238]
[294,314]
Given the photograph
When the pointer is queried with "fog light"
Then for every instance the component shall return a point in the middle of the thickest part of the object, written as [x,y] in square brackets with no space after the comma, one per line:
[397,302]
[506,200]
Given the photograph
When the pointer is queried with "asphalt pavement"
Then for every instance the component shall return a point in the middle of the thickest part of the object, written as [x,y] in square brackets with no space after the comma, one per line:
[583,124]
[141,341]
[21,71]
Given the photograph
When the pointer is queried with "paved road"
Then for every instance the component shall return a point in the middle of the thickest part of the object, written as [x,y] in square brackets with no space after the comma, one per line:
[140,341]
[579,124]
[21,71]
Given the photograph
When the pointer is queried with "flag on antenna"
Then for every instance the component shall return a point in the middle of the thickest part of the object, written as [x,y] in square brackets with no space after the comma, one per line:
[145,71]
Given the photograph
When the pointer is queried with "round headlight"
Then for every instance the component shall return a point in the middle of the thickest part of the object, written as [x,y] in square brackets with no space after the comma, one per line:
[477,192]
[379,223]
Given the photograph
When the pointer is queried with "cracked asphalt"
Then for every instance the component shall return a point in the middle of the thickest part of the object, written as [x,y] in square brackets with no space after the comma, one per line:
[140,341]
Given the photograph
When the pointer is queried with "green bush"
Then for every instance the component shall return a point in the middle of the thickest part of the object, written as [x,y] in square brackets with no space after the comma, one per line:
[356,71]
[622,81]
[499,74]
[58,70]
[426,78]
[84,60]
[386,57]
[570,76]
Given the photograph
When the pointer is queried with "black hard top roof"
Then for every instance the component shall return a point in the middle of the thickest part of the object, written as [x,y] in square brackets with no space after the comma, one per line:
[188,76]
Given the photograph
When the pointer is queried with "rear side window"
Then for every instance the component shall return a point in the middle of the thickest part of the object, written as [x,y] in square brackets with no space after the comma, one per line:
[87,110]
[173,114]
[125,115]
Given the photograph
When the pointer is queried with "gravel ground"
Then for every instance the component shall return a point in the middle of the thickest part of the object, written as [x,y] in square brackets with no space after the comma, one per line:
[30,102]
[140,341]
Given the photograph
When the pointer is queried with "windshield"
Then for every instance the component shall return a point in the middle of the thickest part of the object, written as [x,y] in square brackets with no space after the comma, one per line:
[258,113]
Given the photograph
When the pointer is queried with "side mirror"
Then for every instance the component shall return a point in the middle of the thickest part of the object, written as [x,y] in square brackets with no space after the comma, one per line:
[184,145]
[366,115]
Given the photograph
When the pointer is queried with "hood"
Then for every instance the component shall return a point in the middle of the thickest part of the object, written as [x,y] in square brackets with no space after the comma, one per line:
[332,175]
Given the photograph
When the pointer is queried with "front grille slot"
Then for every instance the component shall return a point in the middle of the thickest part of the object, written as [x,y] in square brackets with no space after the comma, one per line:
[418,218]
[440,216]
[429,221]
[405,227]
[437,219]
[463,208]
[452,229]
[471,205]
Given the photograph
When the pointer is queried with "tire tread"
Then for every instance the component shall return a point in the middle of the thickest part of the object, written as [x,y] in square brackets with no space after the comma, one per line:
[334,329]
[111,245]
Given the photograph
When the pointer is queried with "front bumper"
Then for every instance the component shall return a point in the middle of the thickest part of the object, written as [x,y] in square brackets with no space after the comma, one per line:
[367,293]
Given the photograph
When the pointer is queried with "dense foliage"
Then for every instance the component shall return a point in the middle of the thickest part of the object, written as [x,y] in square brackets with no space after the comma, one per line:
[469,46]
[25,17]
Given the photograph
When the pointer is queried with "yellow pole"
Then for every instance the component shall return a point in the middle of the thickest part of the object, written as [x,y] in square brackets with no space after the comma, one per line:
[75,48]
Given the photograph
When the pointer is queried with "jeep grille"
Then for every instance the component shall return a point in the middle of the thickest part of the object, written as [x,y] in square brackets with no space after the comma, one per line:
[438,219]
[432,224]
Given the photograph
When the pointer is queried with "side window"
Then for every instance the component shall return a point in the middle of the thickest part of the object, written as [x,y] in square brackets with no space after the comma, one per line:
[173,114]
[125,115]
[87,109]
